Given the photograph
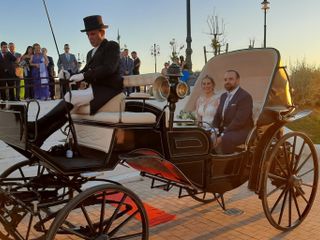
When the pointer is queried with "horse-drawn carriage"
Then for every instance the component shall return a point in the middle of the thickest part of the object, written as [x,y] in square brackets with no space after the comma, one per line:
[58,196]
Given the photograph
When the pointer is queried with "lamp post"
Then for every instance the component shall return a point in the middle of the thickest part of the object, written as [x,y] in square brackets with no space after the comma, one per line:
[189,39]
[155,51]
[265,7]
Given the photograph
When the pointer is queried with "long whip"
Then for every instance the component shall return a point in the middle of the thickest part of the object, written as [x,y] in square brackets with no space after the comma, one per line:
[72,128]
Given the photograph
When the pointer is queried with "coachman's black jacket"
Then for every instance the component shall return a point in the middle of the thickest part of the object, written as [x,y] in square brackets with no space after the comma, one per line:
[102,71]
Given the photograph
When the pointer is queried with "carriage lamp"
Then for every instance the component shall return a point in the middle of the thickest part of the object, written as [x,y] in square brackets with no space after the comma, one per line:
[170,88]
[265,7]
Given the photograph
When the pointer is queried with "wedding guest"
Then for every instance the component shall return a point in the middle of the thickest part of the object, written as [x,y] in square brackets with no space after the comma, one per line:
[126,68]
[165,68]
[7,72]
[25,63]
[18,70]
[67,61]
[50,69]
[136,67]
[39,73]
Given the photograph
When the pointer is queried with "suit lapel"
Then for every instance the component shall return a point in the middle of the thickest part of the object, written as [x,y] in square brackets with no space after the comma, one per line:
[97,52]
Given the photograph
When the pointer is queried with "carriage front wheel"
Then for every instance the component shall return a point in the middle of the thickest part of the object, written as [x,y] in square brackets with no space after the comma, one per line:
[105,211]
[290,179]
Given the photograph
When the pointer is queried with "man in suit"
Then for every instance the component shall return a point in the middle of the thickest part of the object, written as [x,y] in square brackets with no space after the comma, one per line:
[12,50]
[136,66]
[126,68]
[7,72]
[101,73]
[67,61]
[233,118]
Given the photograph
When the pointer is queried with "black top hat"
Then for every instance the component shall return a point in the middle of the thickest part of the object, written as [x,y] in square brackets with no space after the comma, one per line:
[93,23]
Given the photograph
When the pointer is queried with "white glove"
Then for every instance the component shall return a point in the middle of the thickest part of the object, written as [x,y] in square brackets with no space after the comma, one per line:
[77,77]
[63,73]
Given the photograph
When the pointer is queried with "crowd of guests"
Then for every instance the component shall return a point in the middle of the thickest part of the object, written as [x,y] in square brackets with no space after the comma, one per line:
[183,67]
[130,66]
[29,75]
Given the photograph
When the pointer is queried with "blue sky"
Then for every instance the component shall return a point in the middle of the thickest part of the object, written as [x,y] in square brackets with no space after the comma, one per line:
[292,26]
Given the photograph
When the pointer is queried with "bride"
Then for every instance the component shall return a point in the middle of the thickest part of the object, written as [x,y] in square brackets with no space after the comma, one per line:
[207,103]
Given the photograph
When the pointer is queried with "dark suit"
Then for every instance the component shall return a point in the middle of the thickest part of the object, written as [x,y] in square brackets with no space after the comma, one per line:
[102,72]
[50,68]
[136,70]
[7,70]
[126,68]
[237,121]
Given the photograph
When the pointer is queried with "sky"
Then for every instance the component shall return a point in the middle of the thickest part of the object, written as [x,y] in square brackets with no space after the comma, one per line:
[292,26]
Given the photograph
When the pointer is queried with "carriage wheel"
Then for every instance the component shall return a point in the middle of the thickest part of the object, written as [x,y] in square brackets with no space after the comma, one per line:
[23,169]
[290,181]
[105,211]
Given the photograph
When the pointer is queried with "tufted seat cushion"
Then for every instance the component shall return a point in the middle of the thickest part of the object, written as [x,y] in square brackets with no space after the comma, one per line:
[116,104]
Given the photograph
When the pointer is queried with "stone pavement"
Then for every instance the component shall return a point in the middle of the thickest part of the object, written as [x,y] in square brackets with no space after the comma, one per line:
[195,220]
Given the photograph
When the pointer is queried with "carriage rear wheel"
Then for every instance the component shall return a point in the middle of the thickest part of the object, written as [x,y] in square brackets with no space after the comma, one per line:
[290,181]
[105,211]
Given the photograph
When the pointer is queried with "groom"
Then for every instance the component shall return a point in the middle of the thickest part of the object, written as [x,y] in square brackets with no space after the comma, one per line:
[234,114]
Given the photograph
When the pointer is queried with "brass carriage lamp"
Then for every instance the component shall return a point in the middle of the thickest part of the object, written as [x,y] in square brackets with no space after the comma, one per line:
[170,88]
[265,7]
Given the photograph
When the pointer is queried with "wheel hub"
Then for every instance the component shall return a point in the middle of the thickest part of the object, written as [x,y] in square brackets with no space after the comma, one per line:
[295,181]
[103,237]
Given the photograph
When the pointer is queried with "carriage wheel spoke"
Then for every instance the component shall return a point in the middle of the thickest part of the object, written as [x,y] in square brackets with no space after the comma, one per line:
[282,207]
[299,156]
[86,215]
[290,206]
[102,211]
[293,152]
[307,185]
[296,203]
[286,157]
[115,213]
[305,173]
[304,162]
[204,195]
[275,190]
[273,176]
[298,189]
[278,200]
[116,229]
[280,167]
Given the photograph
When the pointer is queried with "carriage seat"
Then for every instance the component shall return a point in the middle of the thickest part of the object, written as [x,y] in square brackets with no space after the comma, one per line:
[113,112]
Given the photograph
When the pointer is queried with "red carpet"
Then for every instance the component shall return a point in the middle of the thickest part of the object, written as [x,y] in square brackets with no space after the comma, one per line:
[155,215]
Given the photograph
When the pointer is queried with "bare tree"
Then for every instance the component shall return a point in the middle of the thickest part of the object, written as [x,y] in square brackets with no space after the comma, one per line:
[217,31]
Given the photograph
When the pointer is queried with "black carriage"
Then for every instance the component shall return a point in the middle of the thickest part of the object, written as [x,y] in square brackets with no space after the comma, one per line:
[57,196]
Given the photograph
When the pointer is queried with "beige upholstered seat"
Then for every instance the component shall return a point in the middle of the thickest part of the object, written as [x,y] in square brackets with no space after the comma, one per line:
[256,68]
[116,104]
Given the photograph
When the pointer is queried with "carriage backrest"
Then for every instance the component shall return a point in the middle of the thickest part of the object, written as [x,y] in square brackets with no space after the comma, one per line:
[13,119]
[256,67]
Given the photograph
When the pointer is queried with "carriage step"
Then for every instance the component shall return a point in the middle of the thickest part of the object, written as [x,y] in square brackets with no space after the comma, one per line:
[91,174]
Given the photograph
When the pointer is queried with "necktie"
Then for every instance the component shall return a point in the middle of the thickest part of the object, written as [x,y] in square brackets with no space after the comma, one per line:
[226,103]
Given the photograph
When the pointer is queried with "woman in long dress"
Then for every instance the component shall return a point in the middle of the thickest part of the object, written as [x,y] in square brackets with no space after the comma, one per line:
[39,73]
[207,103]
[25,63]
